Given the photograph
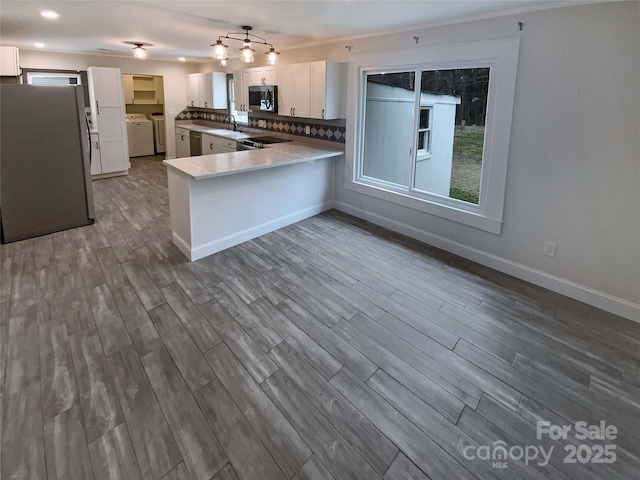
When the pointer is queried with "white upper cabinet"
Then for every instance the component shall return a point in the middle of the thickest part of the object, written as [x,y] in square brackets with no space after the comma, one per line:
[285,90]
[328,90]
[294,99]
[193,90]
[9,63]
[207,90]
[105,87]
[312,90]
[239,91]
[262,76]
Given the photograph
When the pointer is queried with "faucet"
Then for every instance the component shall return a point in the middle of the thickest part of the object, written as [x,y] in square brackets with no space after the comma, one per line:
[235,125]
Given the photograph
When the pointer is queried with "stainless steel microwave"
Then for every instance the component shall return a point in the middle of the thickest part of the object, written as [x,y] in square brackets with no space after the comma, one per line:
[263,98]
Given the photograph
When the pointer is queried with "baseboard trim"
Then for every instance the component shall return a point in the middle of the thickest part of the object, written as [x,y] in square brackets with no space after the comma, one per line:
[582,293]
[182,245]
[215,246]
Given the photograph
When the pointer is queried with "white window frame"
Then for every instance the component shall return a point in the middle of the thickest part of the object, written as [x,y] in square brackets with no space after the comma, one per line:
[424,153]
[501,56]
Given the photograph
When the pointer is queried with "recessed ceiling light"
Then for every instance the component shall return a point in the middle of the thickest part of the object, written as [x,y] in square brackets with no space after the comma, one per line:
[182,59]
[38,45]
[49,14]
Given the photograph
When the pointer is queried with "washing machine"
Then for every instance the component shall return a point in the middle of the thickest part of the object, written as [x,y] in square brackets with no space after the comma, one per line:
[140,133]
[159,132]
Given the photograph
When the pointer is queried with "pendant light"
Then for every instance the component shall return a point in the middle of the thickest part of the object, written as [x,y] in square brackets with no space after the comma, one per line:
[138,51]
[219,50]
[272,56]
[247,52]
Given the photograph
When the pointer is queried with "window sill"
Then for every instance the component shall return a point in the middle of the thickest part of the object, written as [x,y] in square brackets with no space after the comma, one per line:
[447,208]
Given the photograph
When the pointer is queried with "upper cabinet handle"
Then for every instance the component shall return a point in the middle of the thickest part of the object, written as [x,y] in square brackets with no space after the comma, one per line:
[323,113]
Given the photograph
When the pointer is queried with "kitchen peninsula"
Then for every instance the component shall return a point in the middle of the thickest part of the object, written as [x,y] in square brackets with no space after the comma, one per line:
[218,201]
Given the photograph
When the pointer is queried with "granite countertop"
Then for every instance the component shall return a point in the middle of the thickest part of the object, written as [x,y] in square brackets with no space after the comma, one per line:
[208,166]
[218,132]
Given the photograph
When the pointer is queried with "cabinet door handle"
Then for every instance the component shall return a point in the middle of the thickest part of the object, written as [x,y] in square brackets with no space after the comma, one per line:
[97,108]
[294,111]
[205,104]
[291,112]
[182,138]
[323,113]
[211,146]
[192,103]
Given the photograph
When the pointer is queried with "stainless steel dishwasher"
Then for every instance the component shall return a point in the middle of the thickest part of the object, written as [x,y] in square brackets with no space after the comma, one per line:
[195,143]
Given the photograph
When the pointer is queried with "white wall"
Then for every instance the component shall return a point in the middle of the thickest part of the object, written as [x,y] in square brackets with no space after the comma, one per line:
[173,73]
[574,162]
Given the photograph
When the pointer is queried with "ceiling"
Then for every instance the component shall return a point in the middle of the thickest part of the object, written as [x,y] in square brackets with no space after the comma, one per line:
[187,28]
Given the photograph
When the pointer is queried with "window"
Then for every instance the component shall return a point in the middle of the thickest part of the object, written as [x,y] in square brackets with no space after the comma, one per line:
[432,129]
[423,148]
[53,79]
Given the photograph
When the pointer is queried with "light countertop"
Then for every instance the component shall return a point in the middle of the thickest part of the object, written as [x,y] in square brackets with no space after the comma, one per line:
[208,166]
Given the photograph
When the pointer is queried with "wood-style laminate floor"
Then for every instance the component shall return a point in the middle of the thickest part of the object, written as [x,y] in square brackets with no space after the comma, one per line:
[330,349]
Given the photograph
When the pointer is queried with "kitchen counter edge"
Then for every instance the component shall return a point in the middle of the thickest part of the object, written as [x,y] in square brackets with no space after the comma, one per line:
[231,163]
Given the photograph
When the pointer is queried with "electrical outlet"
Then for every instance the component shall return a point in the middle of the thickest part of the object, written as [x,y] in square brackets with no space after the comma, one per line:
[262,123]
[307,130]
[549,249]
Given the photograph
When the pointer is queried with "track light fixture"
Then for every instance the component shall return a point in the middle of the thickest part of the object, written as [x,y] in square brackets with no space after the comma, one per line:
[246,52]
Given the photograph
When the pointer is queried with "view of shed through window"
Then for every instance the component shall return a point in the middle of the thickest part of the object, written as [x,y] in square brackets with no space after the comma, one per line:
[438,151]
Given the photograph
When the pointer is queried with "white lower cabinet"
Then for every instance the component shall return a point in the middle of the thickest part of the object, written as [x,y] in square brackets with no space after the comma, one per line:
[114,148]
[183,148]
[212,144]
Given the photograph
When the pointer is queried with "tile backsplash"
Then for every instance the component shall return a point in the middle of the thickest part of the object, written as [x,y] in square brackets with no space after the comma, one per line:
[330,130]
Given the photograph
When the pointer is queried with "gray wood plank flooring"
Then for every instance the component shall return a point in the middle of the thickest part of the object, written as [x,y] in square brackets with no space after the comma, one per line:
[330,349]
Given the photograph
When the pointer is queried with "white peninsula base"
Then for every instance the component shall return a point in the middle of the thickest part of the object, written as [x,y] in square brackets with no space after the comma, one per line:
[214,211]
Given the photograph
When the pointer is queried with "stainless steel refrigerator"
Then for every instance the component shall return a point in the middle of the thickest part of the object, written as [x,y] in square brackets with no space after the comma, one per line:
[45,169]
